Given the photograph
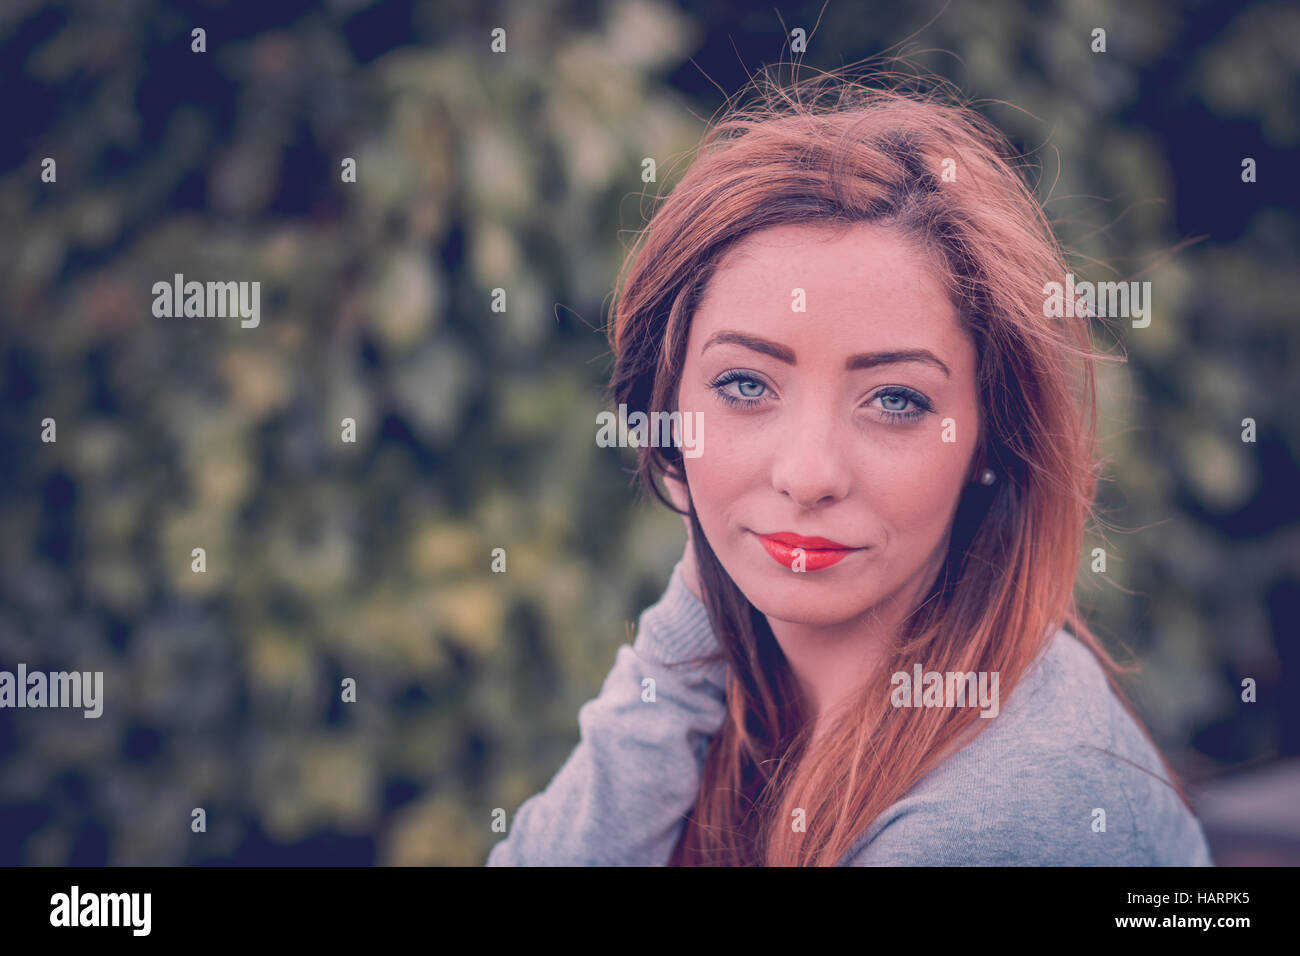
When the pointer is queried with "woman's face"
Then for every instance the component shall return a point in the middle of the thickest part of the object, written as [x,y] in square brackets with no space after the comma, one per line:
[852,419]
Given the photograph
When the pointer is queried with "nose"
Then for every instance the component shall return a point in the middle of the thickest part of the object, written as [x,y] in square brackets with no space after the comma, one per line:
[810,463]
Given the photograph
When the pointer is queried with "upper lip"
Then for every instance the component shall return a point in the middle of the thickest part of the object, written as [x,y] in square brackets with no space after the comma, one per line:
[792,540]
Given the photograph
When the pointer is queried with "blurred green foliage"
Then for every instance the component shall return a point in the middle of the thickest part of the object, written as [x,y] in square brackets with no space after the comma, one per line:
[516,171]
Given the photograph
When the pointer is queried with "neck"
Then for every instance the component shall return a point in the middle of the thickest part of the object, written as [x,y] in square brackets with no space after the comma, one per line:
[832,663]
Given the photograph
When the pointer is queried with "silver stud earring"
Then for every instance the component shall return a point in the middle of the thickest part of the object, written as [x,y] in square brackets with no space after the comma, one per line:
[987,477]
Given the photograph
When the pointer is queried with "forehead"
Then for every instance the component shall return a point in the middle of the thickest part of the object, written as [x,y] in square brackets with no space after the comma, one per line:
[857,282]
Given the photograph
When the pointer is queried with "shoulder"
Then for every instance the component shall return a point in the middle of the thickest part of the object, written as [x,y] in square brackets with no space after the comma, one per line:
[1062,775]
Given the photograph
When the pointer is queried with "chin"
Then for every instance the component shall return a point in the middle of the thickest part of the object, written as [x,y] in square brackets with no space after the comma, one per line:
[805,598]
[809,612]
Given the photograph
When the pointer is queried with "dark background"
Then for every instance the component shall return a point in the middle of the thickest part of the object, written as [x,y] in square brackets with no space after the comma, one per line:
[522,171]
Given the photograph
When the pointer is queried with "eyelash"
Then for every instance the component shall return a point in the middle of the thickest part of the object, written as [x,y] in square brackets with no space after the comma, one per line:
[921,403]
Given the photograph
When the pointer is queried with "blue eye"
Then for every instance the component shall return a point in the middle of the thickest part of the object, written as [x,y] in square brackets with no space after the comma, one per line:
[897,404]
[742,380]
[894,401]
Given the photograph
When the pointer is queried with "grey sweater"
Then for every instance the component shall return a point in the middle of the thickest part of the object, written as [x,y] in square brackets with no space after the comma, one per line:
[1025,791]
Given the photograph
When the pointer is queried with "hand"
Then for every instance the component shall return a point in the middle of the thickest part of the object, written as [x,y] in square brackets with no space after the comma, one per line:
[690,571]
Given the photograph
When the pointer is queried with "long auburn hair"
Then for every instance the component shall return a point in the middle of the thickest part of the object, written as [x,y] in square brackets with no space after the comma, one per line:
[836,150]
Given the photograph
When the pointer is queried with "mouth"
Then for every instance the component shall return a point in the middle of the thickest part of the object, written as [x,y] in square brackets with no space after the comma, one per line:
[800,553]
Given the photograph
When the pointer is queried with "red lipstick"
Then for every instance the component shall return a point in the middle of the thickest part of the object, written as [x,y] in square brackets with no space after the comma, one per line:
[813,553]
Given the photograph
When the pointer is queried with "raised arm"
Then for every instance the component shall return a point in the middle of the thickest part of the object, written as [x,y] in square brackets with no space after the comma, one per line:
[620,797]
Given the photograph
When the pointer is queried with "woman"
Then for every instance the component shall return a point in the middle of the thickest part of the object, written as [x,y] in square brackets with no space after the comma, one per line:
[870,653]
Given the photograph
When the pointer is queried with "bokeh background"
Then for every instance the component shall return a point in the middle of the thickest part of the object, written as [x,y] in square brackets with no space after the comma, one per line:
[521,171]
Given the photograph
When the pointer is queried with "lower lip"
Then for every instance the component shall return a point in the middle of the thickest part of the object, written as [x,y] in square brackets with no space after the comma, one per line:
[814,559]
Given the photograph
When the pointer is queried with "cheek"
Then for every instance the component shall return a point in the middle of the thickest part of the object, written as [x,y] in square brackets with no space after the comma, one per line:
[726,468]
[731,463]
[914,486]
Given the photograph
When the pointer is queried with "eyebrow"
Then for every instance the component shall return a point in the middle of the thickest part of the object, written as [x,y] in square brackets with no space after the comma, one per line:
[854,362]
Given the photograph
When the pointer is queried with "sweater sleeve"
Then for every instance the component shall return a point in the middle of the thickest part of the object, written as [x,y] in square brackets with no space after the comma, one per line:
[620,798]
